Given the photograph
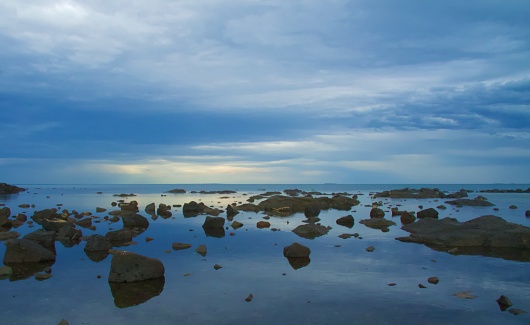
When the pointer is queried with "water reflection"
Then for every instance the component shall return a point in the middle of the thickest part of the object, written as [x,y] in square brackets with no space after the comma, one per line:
[23,271]
[135,293]
[298,262]
[214,232]
[97,256]
[506,253]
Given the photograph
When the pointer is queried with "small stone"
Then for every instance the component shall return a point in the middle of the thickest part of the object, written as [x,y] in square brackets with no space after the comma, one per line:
[370,249]
[392,284]
[464,295]
[217,266]
[433,280]
[42,276]
[249,298]
[63,322]
[98,276]
[178,246]
[263,224]
[201,250]
[421,286]
[148,239]
[513,207]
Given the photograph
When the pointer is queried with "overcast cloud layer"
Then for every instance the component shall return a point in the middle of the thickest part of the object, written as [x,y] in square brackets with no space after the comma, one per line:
[243,91]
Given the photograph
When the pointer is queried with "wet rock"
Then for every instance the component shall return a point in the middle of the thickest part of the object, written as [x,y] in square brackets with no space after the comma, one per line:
[346,221]
[133,220]
[476,202]
[63,322]
[125,195]
[130,207]
[249,298]
[298,262]
[128,267]
[296,250]
[21,217]
[482,233]
[201,250]
[164,211]
[69,232]
[136,293]
[377,213]
[286,205]
[407,218]
[377,223]
[85,223]
[42,276]
[10,189]
[504,302]
[512,207]
[311,211]
[311,231]
[263,224]
[217,267]
[43,238]
[464,295]
[427,213]
[423,193]
[213,222]
[370,249]
[193,209]
[26,251]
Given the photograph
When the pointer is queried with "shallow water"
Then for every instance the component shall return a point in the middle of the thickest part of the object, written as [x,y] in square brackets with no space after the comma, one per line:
[342,284]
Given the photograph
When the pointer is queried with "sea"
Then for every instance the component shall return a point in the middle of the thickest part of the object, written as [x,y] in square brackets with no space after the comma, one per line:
[342,283]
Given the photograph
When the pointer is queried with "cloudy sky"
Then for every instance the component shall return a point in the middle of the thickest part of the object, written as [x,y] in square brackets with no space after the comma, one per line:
[248,91]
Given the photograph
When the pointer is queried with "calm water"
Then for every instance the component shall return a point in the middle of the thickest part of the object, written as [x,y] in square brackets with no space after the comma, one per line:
[343,284]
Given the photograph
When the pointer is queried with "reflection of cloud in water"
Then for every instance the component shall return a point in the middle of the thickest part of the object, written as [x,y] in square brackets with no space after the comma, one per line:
[135,293]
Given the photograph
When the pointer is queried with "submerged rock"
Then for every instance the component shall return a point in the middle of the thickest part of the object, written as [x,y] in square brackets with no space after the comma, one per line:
[26,251]
[180,246]
[128,267]
[423,193]
[476,202]
[377,223]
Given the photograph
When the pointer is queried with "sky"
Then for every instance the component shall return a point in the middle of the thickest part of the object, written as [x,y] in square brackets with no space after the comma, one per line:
[248,91]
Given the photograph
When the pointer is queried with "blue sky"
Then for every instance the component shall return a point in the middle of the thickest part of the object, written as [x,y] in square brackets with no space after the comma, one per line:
[240,91]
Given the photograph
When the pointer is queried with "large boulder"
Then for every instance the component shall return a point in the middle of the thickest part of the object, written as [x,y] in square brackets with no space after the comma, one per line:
[231,211]
[377,213]
[42,237]
[486,231]
[117,237]
[407,217]
[427,213]
[346,221]
[134,220]
[129,207]
[311,211]
[213,222]
[26,251]
[128,267]
[97,243]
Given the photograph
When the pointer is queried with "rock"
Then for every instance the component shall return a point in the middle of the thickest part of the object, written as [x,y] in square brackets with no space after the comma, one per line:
[164,211]
[231,211]
[100,210]
[286,205]
[213,222]
[128,267]
[527,213]
[69,232]
[85,223]
[263,224]
[5,213]
[150,207]
[433,280]
[21,217]
[311,231]
[177,191]
[236,225]
[427,213]
[63,322]
[25,251]
[249,298]
[346,221]
[131,206]
[133,220]
[42,276]
[10,189]
[407,218]
[180,246]
[43,238]
[5,235]
[484,235]
[311,211]
[296,250]
[125,195]
[377,223]
[513,207]
[119,236]
[504,302]
[476,202]
[423,193]
[201,250]
[217,267]
[370,249]
[193,209]
[97,243]
[464,295]
[377,213]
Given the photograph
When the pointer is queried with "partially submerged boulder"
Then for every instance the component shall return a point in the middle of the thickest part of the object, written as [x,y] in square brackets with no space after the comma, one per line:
[97,243]
[377,223]
[134,220]
[346,221]
[377,213]
[422,193]
[5,212]
[311,231]
[128,267]
[427,213]
[288,205]
[476,202]
[26,251]
[10,189]
[487,235]
[296,250]
[213,222]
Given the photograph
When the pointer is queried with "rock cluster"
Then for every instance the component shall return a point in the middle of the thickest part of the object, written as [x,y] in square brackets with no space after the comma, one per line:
[10,189]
